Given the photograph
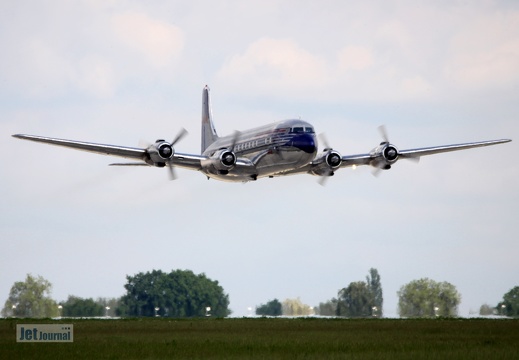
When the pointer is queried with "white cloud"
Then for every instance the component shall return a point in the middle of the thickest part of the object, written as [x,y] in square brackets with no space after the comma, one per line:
[486,52]
[35,68]
[275,64]
[58,50]
[159,42]
[355,58]
[416,86]
[96,76]
[282,67]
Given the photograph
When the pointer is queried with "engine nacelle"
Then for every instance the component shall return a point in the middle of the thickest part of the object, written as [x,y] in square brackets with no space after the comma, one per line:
[384,156]
[327,163]
[227,159]
[223,161]
[160,153]
[333,159]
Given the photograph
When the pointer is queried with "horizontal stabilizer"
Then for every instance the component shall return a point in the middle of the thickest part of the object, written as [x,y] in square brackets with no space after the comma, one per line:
[129,164]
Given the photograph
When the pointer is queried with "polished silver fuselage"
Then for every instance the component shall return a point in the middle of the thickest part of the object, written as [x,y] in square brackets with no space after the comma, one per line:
[266,151]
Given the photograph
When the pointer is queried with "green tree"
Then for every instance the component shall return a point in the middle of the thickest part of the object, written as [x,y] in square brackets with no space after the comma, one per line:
[355,300]
[78,307]
[510,304]
[30,298]
[295,307]
[486,310]
[428,298]
[110,305]
[179,293]
[375,288]
[361,299]
[328,308]
[271,308]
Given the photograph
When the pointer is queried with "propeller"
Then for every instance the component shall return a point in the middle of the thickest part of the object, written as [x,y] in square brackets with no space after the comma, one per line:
[376,171]
[181,134]
[235,138]
[229,158]
[323,179]
[383,132]
[324,140]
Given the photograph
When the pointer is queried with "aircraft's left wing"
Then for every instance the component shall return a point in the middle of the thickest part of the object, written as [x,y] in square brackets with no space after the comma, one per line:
[382,157]
[157,154]
[387,154]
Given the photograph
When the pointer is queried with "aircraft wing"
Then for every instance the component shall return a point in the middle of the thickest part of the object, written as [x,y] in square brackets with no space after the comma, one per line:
[181,160]
[122,151]
[382,157]
[415,153]
[368,159]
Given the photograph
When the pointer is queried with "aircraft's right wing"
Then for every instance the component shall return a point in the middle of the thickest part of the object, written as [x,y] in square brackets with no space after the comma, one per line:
[157,154]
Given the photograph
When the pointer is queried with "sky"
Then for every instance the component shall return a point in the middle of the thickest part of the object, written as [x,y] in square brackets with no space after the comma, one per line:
[128,72]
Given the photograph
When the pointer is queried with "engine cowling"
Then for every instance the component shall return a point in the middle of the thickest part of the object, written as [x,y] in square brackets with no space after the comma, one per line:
[333,159]
[160,153]
[384,156]
[223,161]
[227,159]
[327,163]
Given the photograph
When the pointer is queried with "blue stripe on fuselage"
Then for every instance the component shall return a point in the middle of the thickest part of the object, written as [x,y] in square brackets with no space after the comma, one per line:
[275,136]
[304,142]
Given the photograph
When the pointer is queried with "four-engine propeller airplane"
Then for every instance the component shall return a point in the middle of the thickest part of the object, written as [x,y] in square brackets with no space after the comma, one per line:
[287,147]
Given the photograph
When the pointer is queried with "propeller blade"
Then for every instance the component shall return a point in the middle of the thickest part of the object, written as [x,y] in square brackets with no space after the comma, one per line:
[235,139]
[144,144]
[183,132]
[376,172]
[383,132]
[323,180]
[324,140]
[172,173]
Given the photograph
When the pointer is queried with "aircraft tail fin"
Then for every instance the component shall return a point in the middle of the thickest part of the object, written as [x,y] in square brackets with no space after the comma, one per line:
[208,131]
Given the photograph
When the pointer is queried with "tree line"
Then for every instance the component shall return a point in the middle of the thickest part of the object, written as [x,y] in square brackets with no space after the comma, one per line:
[181,293]
[418,298]
[358,299]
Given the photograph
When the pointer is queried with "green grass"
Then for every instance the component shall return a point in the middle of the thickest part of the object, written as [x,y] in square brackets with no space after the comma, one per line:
[305,338]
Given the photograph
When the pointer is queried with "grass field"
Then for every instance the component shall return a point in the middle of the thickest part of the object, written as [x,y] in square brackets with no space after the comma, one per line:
[305,338]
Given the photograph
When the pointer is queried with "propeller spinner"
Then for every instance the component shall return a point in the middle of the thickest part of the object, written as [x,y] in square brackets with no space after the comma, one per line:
[161,153]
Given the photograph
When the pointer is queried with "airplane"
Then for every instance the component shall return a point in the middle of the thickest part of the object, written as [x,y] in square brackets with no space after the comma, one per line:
[287,147]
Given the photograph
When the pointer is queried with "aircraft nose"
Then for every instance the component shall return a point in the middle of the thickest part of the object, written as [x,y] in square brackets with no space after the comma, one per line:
[305,142]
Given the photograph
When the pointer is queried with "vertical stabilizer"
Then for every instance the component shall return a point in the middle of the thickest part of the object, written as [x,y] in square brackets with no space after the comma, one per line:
[208,131]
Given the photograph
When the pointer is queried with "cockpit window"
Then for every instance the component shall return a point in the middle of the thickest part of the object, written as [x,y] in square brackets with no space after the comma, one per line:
[302,130]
